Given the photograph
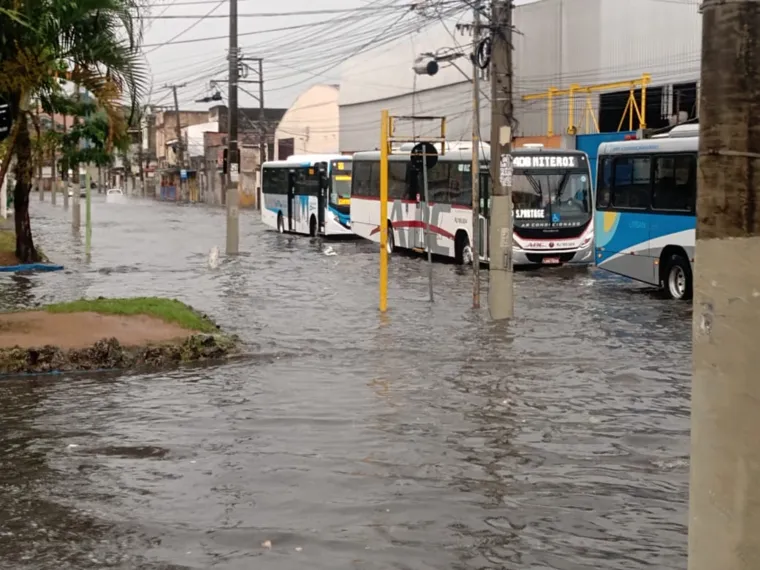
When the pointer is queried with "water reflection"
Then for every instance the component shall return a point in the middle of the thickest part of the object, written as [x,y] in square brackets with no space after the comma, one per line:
[16,291]
[424,438]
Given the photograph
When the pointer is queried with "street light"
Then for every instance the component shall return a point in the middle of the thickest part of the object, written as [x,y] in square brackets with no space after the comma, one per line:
[215,97]
[424,66]
[428,63]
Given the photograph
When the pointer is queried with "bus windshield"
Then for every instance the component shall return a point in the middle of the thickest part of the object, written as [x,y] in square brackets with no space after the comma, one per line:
[340,189]
[556,198]
[340,183]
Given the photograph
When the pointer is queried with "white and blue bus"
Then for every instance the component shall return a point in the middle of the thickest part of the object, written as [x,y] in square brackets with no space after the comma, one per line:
[646,209]
[308,194]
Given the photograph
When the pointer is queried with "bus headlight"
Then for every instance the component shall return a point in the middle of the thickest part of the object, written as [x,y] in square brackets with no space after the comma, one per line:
[586,240]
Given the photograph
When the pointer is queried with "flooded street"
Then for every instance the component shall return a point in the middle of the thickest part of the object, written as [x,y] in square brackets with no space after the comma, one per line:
[428,440]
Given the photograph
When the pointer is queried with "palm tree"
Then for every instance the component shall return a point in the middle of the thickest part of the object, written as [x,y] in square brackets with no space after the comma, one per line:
[98,40]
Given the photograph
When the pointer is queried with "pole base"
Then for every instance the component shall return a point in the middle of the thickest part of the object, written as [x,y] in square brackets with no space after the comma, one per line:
[233,222]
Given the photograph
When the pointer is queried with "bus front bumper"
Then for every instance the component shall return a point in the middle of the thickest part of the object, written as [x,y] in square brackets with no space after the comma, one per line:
[582,256]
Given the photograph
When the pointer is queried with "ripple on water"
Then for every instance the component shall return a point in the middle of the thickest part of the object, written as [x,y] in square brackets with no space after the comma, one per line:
[430,439]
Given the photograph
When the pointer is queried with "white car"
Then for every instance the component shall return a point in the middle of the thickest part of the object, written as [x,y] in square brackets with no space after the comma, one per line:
[82,192]
[114,192]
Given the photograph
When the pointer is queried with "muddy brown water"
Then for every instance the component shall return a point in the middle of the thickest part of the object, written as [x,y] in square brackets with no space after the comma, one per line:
[428,440]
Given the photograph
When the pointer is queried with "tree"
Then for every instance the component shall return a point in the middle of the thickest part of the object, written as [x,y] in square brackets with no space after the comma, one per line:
[102,138]
[98,40]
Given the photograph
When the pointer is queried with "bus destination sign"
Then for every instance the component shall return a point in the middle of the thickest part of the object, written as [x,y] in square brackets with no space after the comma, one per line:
[550,161]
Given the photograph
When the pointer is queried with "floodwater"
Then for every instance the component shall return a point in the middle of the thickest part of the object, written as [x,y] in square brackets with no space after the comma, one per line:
[428,440]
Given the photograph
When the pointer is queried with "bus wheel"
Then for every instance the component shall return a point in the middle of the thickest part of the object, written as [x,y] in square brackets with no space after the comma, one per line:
[313,227]
[678,278]
[390,244]
[280,223]
[462,249]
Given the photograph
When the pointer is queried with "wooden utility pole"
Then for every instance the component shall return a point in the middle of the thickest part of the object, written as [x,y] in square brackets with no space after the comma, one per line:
[475,168]
[500,291]
[724,497]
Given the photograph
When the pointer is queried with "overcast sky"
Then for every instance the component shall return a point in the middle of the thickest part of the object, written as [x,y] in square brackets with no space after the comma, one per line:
[310,52]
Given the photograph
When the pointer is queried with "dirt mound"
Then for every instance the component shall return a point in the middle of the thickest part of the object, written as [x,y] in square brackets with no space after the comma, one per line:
[83,330]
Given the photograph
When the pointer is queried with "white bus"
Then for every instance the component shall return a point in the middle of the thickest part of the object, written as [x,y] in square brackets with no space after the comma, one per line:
[551,194]
[308,194]
[646,209]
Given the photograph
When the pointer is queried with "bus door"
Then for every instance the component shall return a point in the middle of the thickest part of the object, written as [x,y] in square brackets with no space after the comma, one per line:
[291,200]
[485,205]
[324,183]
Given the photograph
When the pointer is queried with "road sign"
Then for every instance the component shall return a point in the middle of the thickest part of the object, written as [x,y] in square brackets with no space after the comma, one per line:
[506,167]
[183,174]
[431,155]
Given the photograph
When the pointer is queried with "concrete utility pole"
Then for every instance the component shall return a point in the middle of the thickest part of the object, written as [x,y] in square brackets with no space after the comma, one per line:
[475,168]
[53,170]
[65,170]
[261,124]
[262,118]
[233,161]
[40,157]
[724,497]
[76,209]
[178,129]
[500,292]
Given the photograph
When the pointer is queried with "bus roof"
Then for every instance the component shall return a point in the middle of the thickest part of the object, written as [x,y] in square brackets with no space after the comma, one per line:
[304,158]
[465,154]
[657,145]
[283,164]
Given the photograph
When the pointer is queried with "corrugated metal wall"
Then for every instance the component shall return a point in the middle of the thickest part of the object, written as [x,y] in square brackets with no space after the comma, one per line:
[558,42]
[360,123]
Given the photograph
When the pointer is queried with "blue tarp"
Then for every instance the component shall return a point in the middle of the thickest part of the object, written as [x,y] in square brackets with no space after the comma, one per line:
[31,267]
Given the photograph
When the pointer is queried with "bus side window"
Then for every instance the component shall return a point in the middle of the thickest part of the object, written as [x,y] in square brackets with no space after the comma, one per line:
[396,180]
[373,188]
[675,183]
[631,182]
[604,183]
[438,183]
[413,183]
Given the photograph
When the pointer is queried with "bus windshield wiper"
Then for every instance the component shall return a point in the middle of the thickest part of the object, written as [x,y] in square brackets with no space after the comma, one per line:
[562,184]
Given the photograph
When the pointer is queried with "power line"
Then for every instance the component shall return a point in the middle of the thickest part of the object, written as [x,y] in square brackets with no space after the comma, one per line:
[225,37]
[290,14]
[190,27]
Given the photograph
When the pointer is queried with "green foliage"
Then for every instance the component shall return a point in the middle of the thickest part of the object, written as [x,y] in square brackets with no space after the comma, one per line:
[168,310]
[8,244]
[93,141]
[7,241]
[94,41]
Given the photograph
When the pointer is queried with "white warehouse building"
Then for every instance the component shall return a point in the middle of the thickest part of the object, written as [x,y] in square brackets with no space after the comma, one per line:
[603,47]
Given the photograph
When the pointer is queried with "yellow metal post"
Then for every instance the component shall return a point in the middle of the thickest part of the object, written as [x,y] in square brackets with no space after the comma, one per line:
[550,120]
[571,130]
[643,117]
[384,210]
